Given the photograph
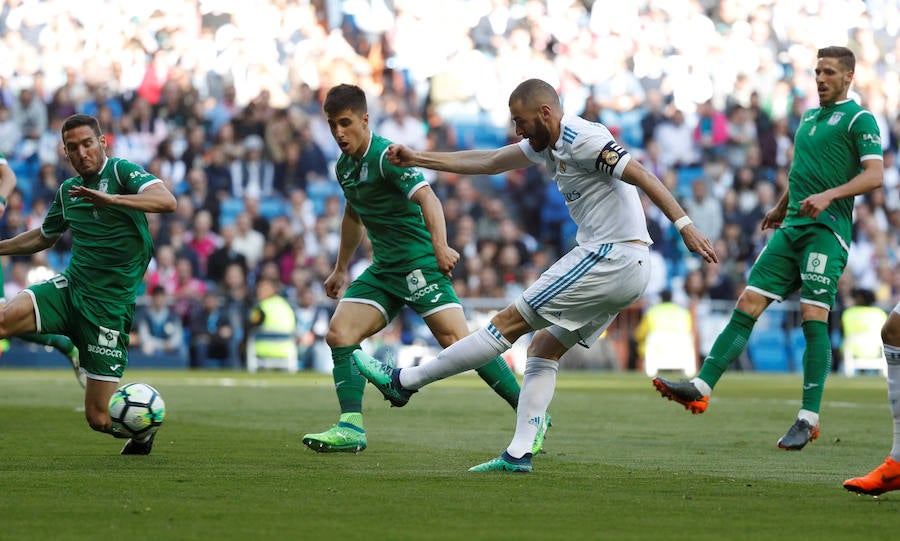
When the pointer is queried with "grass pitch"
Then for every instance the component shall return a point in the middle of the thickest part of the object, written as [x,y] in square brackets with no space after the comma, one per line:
[621,463]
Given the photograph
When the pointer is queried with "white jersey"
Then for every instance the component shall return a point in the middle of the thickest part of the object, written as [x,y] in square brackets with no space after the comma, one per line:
[587,164]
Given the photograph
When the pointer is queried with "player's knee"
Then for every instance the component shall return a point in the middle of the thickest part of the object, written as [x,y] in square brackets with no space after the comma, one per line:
[337,336]
[890,332]
[98,420]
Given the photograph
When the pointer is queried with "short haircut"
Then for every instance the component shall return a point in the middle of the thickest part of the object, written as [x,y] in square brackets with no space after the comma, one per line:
[534,92]
[78,120]
[844,56]
[343,97]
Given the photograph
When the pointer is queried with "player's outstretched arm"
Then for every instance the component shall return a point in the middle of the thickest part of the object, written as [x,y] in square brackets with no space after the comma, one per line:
[693,238]
[27,242]
[155,198]
[464,162]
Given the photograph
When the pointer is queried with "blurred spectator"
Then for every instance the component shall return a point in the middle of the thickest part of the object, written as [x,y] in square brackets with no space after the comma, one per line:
[247,241]
[677,147]
[10,132]
[253,175]
[705,210]
[312,326]
[159,329]
[189,289]
[30,114]
[217,168]
[162,271]
[212,335]
[224,255]
[202,240]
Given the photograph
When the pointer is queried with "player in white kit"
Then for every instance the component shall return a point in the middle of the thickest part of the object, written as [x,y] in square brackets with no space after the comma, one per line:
[577,298]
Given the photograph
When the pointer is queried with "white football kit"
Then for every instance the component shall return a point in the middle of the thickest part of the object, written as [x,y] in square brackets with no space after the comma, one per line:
[582,293]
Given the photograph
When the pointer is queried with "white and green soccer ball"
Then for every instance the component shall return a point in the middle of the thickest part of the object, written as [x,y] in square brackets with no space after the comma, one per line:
[137,411]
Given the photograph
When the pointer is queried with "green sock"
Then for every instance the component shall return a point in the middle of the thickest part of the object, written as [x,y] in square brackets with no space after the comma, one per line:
[816,363]
[502,380]
[348,382]
[727,347]
[58,341]
[354,419]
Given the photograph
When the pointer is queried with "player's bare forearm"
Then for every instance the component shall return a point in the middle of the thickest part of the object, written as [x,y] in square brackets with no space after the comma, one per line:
[155,198]
[870,178]
[28,242]
[465,162]
[693,238]
[352,231]
[433,213]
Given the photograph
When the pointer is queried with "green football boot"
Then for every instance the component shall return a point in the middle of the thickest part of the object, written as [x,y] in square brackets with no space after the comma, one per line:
[340,438]
[506,463]
[383,376]
[538,444]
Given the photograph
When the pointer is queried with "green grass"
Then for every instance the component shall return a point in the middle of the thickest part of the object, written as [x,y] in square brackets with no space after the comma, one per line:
[621,463]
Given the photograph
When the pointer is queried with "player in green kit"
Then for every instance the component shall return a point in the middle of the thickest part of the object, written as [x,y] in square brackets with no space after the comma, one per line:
[65,346]
[837,155]
[92,301]
[404,221]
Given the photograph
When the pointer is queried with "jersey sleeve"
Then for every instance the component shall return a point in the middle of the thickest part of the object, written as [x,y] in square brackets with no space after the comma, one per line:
[865,132]
[55,223]
[407,179]
[133,177]
[599,151]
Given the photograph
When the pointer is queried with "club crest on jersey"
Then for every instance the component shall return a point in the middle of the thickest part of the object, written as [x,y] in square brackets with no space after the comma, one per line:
[364,172]
[103,185]
[835,118]
[609,157]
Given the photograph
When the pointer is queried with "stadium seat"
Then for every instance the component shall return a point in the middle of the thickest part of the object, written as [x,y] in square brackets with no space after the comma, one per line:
[768,350]
[229,210]
[797,345]
[670,351]
[863,351]
[255,363]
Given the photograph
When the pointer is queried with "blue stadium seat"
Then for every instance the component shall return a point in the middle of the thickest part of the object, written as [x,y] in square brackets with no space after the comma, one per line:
[229,210]
[271,207]
[768,350]
[797,344]
[687,175]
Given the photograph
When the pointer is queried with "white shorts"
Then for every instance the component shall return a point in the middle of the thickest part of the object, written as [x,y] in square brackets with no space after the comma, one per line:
[582,293]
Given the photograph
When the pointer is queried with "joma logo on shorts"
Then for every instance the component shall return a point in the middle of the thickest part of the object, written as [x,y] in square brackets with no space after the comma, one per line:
[106,352]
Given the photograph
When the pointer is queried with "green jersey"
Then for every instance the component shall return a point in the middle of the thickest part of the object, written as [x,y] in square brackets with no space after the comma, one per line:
[111,246]
[830,144]
[380,193]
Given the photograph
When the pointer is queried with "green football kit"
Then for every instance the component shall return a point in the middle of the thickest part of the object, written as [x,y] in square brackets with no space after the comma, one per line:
[808,254]
[404,270]
[93,300]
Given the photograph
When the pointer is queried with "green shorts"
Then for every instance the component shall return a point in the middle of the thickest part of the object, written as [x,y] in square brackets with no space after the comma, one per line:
[810,258]
[424,290]
[99,329]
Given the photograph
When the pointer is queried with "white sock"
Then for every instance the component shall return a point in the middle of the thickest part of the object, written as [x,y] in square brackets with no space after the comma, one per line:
[702,386]
[810,417]
[892,354]
[473,351]
[534,399]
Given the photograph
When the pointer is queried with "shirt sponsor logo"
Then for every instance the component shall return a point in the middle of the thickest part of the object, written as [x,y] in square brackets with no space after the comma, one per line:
[415,280]
[425,291]
[106,352]
[816,262]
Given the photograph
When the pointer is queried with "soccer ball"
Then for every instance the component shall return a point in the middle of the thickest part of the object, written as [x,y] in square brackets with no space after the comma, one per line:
[137,411]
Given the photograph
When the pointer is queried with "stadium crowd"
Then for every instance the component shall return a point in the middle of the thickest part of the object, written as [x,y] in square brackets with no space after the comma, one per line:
[222,101]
